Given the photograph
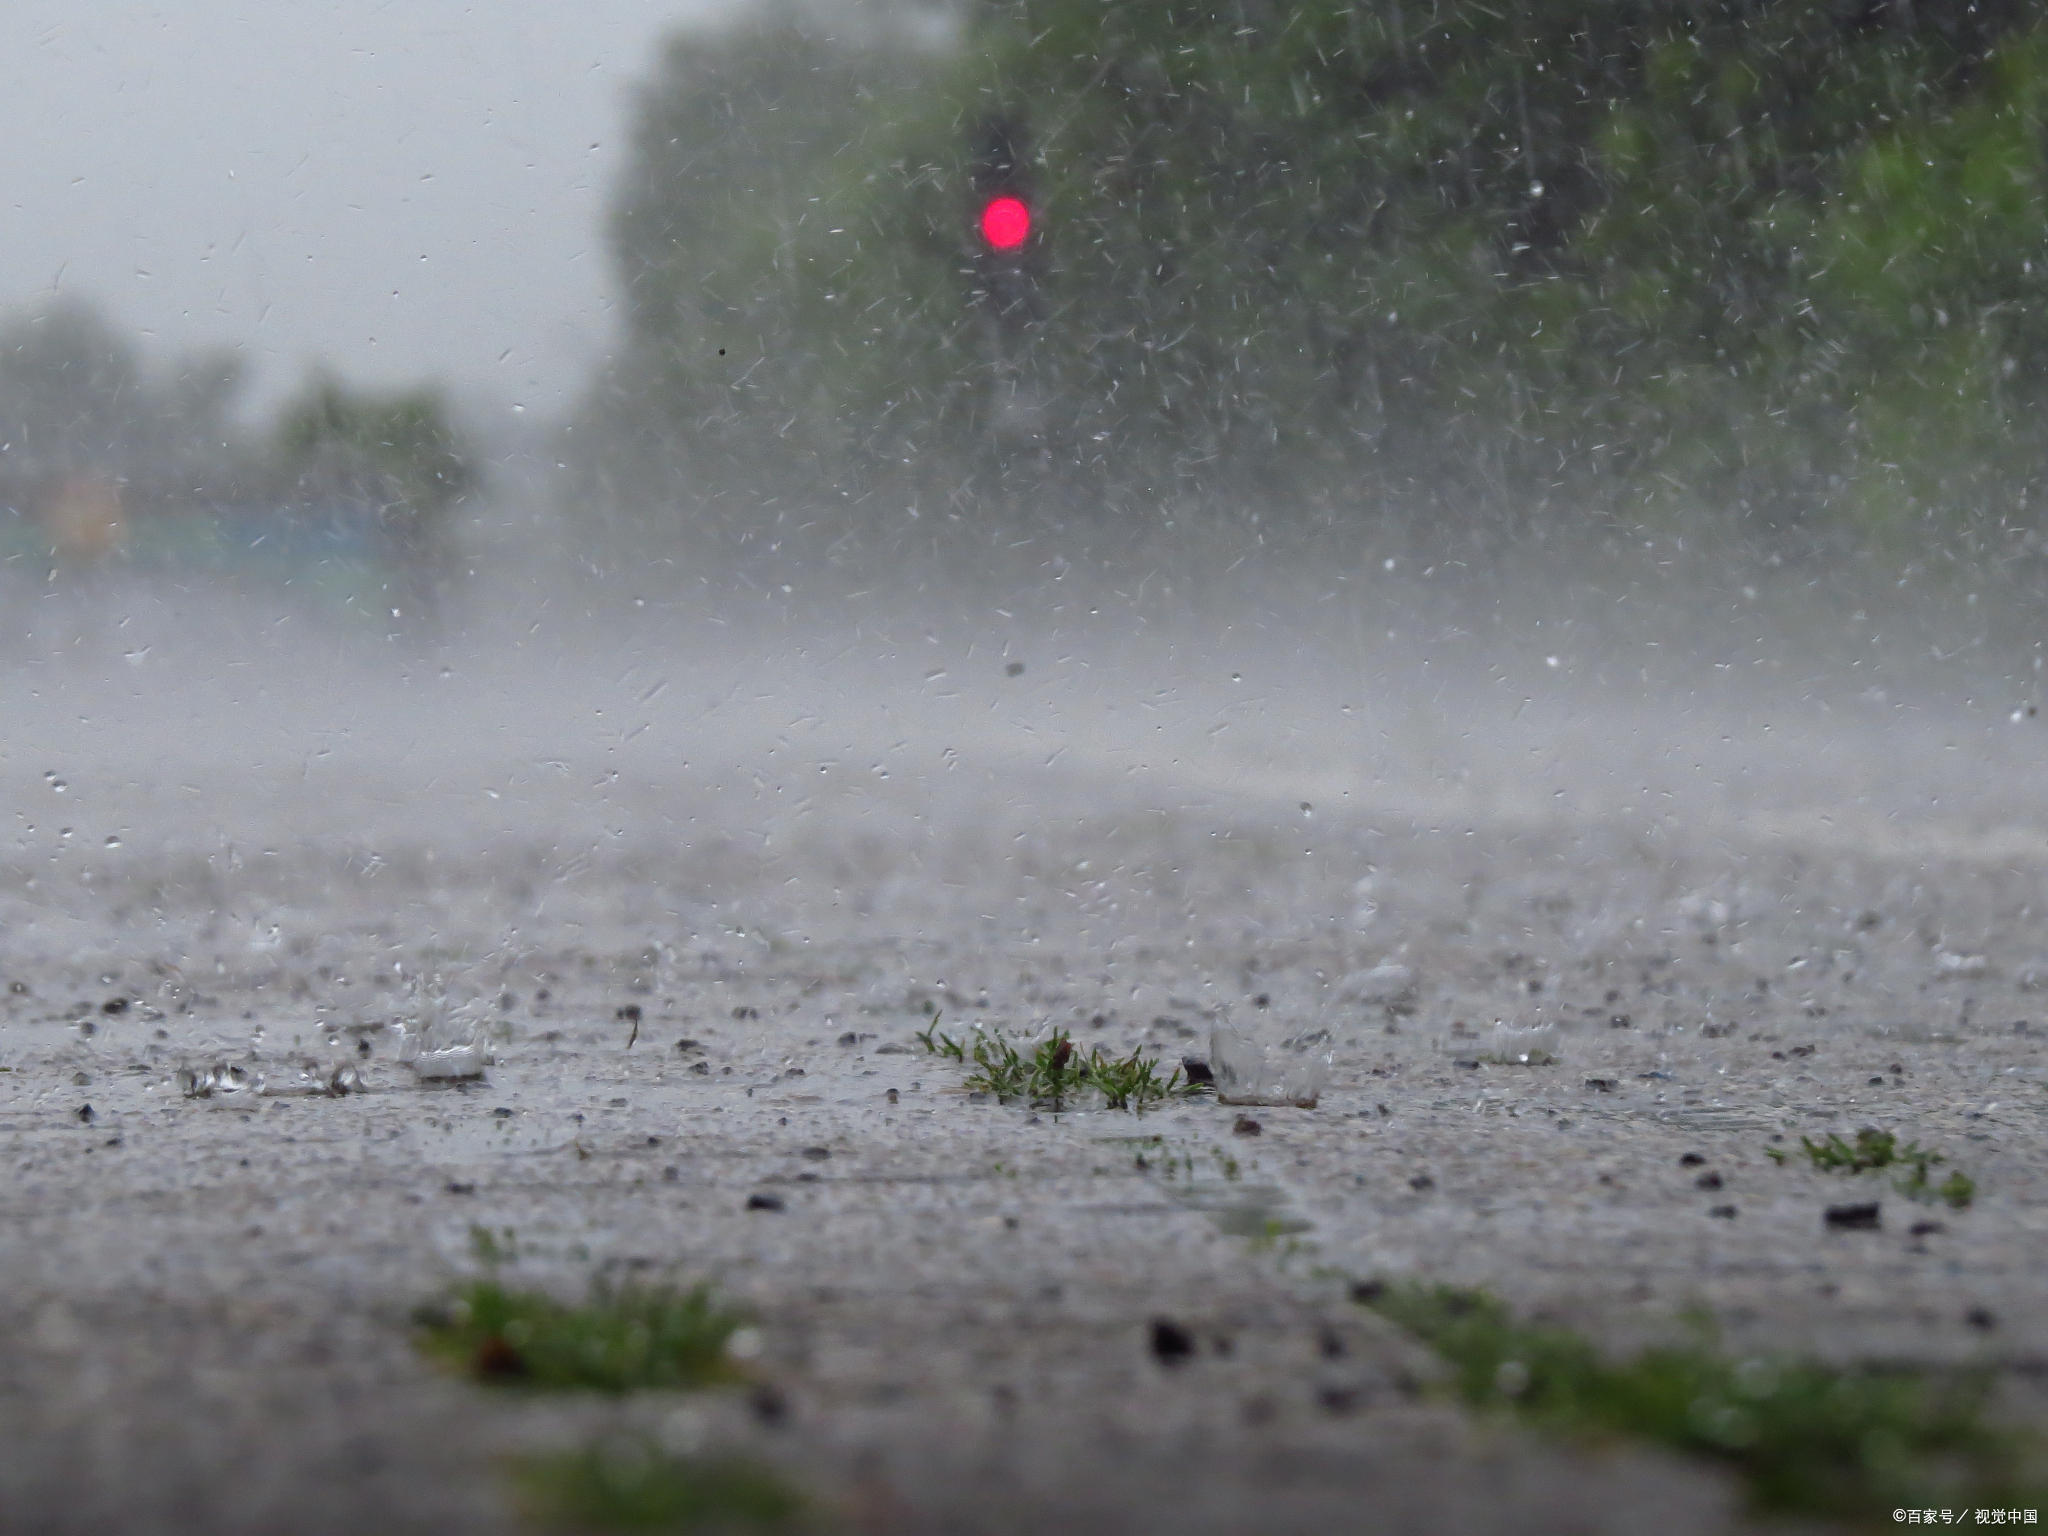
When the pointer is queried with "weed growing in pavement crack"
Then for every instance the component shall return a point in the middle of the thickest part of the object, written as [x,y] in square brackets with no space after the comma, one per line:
[1871,1149]
[637,1486]
[1133,1081]
[1051,1073]
[937,1044]
[1808,1438]
[1874,1150]
[1957,1191]
[621,1338]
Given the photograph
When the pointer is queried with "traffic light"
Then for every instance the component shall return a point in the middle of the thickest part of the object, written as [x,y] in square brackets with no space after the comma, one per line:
[1006,222]
[1008,243]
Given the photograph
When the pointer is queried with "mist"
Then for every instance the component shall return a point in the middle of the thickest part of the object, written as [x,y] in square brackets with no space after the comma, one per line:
[1264,840]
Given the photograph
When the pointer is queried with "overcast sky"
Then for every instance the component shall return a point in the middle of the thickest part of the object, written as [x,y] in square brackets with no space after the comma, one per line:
[402,188]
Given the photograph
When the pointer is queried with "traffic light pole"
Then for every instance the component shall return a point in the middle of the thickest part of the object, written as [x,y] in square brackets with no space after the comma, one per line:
[1009,257]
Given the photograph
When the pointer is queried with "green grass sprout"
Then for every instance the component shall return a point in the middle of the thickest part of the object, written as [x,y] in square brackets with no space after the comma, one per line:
[621,1338]
[1054,1072]
[938,1044]
[1133,1081]
[1807,1438]
[637,1486]
[1874,1150]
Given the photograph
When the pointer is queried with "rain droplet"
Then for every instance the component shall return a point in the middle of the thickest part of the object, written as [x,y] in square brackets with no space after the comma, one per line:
[217,1078]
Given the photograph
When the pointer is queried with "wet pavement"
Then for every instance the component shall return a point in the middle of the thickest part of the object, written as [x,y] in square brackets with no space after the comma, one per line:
[698,948]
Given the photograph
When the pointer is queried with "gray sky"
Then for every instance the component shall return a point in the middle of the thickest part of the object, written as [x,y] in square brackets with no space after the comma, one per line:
[405,189]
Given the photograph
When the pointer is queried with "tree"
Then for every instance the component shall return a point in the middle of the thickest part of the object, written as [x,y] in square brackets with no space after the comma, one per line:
[78,400]
[762,236]
[1779,258]
[395,460]
[69,390]
[405,442]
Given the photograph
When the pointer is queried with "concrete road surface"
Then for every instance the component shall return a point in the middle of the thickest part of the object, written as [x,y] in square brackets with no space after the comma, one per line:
[1736,926]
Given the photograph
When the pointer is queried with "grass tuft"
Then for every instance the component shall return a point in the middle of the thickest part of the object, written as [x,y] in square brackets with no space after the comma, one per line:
[640,1487]
[938,1044]
[1054,1072]
[1808,1438]
[1874,1150]
[621,1338]
[1957,1191]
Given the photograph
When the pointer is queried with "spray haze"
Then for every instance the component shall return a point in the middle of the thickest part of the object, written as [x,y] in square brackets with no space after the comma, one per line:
[1467,583]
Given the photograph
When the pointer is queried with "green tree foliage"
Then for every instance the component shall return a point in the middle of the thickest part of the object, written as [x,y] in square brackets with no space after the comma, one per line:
[67,382]
[404,442]
[76,397]
[1785,258]
[769,237]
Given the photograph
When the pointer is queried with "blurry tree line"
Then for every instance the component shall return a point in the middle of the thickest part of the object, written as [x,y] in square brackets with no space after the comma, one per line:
[89,428]
[1786,259]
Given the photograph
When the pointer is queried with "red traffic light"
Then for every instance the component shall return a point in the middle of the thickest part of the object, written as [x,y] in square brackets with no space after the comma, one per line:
[1005,222]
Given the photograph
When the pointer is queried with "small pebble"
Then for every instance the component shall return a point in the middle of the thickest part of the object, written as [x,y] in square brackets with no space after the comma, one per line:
[498,1360]
[1338,1400]
[770,1406]
[1171,1343]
